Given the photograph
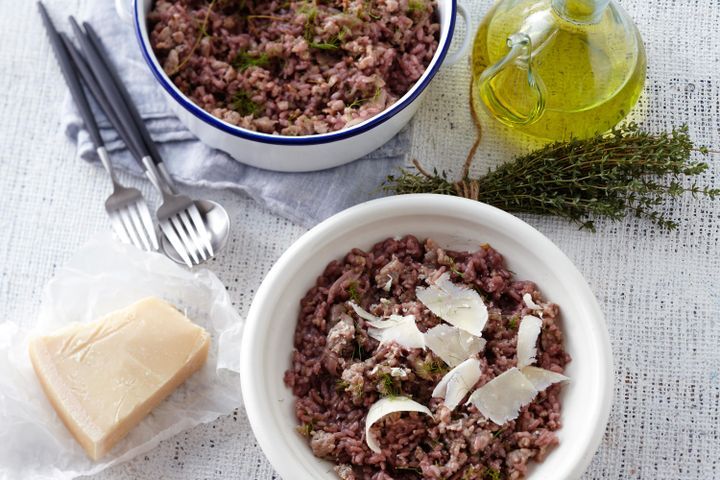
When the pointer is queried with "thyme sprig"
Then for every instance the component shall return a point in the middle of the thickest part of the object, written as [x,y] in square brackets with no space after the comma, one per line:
[628,171]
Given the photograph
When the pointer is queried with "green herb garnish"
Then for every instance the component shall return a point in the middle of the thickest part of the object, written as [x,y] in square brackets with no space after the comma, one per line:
[354,293]
[309,30]
[513,322]
[305,429]
[388,387]
[415,6]
[492,474]
[358,351]
[332,44]
[627,171]
[341,385]
[454,269]
[361,101]
[431,367]
[243,104]
[243,61]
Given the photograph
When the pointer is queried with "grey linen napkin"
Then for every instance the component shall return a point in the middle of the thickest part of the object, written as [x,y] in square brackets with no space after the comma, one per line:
[304,198]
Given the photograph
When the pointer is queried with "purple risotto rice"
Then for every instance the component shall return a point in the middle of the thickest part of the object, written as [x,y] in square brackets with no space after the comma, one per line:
[339,371]
[294,67]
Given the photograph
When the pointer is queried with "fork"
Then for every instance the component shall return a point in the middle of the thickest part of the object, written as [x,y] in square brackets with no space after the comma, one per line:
[178,216]
[126,207]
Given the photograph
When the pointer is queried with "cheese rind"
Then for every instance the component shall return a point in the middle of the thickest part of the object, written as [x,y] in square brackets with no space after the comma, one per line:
[102,378]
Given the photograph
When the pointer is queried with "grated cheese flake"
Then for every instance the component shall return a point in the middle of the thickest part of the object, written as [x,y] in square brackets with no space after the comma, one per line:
[386,406]
[501,398]
[398,372]
[452,344]
[398,329]
[530,303]
[527,340]
[541,378]
[457,382]
[459,306]
[362,313]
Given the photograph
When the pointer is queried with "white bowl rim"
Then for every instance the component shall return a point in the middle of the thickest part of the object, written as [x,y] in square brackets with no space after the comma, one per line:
[383,207]
[410,96]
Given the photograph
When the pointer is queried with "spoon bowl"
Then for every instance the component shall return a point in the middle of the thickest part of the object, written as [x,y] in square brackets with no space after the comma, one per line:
[217,222]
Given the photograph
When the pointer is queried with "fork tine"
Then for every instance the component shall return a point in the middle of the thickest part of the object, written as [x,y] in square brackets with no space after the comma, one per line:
[200,226]
[193,235]
[139,228]
[189,247]
[147,221]
[129,227]
[118,228]
[169,232]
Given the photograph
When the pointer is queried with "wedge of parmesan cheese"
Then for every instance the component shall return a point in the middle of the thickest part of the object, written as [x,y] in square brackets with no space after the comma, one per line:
[398,329]
[102,378]
[528,333]
[457,305]
[386,406]
[452,344]
[501,398]
[458,382]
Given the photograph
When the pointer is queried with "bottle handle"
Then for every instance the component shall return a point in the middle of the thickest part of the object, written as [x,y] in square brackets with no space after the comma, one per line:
[520,52]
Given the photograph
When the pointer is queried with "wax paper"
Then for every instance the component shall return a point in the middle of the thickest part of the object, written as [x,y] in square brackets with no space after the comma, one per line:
[103,276]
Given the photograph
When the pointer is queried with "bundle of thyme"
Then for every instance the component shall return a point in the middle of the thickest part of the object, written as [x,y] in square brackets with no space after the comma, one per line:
[627,171]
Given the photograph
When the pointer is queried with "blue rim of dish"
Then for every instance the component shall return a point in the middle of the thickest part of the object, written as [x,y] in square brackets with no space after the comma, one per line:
[286,140]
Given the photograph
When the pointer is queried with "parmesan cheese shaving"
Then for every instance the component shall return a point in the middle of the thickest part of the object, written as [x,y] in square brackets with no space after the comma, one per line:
[530,303]
[541,378]
[398,372]
[457,382]
[456,305]
[501,398]
[527,339]
[398,329]
[362,313]
[388,285]
[453,345]
[386,406]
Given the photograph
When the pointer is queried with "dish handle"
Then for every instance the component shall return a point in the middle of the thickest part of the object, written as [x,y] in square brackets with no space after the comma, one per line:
[453,58]
[124,10]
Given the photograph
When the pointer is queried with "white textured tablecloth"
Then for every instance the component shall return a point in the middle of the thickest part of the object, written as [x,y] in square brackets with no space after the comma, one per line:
[659,291]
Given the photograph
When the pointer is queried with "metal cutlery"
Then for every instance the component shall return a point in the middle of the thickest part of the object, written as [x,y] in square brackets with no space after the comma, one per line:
[126,207]
[178,216]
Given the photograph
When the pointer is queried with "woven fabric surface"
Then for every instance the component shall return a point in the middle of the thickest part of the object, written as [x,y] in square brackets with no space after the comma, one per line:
[658,290]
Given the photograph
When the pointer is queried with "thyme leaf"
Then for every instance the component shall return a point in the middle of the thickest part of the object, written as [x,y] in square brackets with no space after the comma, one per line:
[354,293]
[243,104]
[492,474]
[416,6]
[243,61]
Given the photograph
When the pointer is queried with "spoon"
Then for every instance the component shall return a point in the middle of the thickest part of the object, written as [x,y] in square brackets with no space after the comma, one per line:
[215,226]
[217,222]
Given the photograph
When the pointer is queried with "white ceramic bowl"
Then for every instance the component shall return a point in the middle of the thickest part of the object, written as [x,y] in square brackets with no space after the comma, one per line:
[299,153]
[456,223]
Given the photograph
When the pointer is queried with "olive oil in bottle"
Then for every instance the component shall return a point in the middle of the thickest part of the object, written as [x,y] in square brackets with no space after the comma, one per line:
[557,69]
